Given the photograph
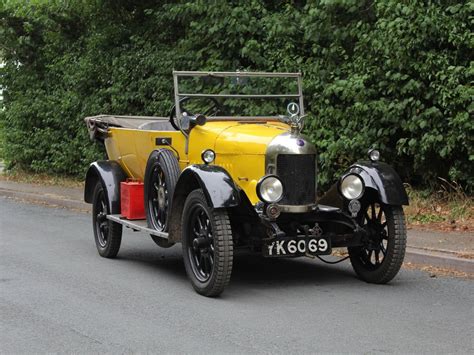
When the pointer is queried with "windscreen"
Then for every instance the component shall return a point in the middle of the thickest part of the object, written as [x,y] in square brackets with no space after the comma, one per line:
[237,95]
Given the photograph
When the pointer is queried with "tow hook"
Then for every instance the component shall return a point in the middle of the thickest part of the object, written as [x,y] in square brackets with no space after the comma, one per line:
[307,235]
[275,231]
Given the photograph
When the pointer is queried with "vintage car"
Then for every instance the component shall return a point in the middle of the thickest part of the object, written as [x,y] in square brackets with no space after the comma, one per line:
[217,179]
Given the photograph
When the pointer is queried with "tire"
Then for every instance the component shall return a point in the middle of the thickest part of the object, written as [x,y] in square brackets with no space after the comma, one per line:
[208,254]
[380,259]
[107,234]
[161,175]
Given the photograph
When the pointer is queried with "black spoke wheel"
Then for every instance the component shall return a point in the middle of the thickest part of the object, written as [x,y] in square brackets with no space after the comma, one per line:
[107,234]
[161,175]
[207,245]
[383,250]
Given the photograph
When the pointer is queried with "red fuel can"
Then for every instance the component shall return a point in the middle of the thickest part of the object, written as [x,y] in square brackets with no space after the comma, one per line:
[132,205]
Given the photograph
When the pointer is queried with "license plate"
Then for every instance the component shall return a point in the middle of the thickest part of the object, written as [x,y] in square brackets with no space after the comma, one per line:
[298,246]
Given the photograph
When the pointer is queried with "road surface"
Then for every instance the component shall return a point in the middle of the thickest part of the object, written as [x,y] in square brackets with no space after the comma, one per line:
[58,295]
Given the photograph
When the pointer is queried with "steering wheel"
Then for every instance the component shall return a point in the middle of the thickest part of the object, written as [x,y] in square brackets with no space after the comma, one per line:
[215,108]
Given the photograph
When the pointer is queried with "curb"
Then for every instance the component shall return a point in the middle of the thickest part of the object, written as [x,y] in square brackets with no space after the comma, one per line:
[46,199]
[423,256]
[439,259]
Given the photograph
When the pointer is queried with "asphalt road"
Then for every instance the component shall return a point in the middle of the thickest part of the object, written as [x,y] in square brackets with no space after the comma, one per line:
[58,295]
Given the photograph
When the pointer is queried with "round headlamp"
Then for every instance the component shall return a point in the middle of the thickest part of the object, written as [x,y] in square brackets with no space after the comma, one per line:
[270,189]
[352,187]
[374,155]
[208,156]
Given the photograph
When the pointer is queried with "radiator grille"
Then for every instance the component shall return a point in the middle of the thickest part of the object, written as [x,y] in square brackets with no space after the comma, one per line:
[298,175]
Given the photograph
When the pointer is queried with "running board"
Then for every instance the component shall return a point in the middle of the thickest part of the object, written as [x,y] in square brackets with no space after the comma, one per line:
[138,225]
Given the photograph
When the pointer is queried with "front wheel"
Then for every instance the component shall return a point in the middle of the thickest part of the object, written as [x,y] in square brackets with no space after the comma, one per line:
[207,245]
[380,258]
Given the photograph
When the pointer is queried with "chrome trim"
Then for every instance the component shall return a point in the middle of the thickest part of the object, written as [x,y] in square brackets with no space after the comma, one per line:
[276,214]
[236,74]
[243,96]
[286,143]
[326,208]
[297,209]
[202,156]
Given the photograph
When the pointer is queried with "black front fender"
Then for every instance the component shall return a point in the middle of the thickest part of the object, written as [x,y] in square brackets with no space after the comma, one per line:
[382,178]
[110,174]
[216,183]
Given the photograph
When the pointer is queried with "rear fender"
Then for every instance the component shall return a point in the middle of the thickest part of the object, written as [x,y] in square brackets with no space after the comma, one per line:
[110,174]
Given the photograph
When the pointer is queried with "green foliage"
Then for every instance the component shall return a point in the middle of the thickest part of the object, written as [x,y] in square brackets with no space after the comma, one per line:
[387,74]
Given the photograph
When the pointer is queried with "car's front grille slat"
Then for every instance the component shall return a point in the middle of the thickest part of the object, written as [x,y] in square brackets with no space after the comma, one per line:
[298,175]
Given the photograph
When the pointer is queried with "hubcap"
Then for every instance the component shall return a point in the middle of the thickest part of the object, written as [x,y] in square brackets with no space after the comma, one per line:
[161,197]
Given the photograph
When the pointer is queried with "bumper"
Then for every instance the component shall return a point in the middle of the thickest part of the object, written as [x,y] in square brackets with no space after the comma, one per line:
[302,224]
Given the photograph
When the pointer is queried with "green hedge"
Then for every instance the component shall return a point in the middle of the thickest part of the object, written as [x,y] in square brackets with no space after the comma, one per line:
[387,74]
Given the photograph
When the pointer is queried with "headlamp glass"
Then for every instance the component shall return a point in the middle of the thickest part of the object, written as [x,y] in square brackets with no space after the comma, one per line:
[270,189]
[352,187]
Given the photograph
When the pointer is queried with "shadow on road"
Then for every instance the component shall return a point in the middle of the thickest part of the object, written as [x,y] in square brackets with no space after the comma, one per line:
[162,260]
[254,269]
[249,269]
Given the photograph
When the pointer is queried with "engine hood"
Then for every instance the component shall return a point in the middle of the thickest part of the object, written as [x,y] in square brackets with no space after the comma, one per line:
[248,138]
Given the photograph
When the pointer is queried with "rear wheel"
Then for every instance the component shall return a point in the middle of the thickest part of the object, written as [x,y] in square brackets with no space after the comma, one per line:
[207,245]
[381,256]
[107,234]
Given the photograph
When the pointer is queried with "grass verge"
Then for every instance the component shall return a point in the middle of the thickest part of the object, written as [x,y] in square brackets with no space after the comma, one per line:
[41,179]
[448,208]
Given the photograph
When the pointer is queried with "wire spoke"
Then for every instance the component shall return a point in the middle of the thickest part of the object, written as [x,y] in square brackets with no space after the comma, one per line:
[369,256]
[379,217]
[377,260]
[201,224]
[367,218]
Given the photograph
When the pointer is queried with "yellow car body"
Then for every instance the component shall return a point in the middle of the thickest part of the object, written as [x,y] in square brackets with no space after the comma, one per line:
[240,148]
